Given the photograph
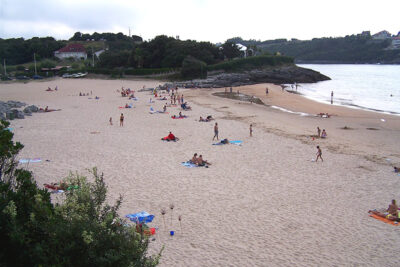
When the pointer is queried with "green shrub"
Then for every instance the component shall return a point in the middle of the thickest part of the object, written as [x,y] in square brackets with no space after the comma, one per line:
[251,63]
[193,68]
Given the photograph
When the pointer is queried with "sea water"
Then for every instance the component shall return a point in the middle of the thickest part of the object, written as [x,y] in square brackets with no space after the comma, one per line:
[373,87]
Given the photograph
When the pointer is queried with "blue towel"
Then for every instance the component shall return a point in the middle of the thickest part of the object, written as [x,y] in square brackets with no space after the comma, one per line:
[236,142]
[189,164]
[30,160]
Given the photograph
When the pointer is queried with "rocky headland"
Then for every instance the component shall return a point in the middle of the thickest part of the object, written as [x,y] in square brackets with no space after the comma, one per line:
[279,75]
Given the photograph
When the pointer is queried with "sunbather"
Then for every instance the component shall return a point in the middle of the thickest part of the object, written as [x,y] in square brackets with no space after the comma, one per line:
[202,162]
[194,159]
[392,213]
[169,137]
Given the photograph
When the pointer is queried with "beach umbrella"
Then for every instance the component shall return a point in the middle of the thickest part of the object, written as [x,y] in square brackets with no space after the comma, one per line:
[140,217]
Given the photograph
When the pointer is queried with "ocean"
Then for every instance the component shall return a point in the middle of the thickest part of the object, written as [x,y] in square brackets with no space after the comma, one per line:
[372,87]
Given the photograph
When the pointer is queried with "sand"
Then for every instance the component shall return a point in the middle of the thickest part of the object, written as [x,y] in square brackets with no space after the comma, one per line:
[265,203]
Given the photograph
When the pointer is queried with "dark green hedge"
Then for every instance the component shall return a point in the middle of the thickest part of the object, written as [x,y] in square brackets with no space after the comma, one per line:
[251,63]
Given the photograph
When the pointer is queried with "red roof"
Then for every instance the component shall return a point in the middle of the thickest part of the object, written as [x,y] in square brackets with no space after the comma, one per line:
[72,48]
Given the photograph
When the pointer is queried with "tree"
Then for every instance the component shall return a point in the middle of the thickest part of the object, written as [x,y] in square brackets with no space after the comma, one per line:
[193,68]
[230,50]
[83,230]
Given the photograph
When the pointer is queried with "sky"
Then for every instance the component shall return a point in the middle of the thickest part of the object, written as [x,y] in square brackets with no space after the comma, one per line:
[201,20]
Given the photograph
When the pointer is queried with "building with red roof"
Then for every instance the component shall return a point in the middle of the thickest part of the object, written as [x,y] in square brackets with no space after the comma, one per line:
[76,51]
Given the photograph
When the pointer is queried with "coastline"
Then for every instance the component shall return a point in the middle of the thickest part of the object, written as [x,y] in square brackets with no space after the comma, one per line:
[263,201]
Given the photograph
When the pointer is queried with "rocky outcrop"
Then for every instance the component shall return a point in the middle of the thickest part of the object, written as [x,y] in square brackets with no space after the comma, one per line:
[10,110]
[279,75]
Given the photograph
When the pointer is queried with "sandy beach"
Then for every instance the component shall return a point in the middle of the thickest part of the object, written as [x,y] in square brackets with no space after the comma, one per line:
[264,203]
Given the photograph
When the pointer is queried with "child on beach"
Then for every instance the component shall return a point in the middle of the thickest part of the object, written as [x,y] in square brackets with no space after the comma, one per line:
[121,120]
[319,154]
[323,134]
[251,129]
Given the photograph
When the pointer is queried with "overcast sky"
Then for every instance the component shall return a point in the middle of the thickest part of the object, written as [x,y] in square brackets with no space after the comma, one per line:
[202,20]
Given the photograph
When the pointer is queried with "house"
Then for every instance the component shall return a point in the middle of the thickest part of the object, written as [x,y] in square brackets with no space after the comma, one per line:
[396,42]
[382,35]
[76,51]
[246,52]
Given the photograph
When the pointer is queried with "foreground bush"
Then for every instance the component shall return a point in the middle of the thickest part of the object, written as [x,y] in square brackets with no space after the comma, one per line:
[82,230]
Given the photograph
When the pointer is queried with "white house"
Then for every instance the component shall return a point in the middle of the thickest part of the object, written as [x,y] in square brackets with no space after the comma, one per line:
[76,51]
[382,35]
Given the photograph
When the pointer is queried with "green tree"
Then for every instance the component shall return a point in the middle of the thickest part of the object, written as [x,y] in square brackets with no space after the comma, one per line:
[193,68]
[230,50]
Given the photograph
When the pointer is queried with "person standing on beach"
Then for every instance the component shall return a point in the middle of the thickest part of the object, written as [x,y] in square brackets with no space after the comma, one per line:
[319,154]
[331,97]
[266,91]
[215,131]
[111,121]
[319,132]
[121,120]
[251,130]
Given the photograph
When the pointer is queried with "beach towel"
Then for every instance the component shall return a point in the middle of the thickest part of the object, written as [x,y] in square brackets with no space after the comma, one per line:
[134,98]
[236,142]
[188,164]
[9,129]
[35,160]
[384,220]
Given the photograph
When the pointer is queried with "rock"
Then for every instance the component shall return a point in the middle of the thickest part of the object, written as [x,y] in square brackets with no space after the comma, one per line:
[30,109]
[279,75]
[15,104]
[20,115]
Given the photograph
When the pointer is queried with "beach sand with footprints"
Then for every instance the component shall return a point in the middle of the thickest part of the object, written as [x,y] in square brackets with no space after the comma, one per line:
[262,203]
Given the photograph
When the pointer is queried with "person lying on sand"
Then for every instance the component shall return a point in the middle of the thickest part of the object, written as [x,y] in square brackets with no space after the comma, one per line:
[209,118]
[202,162]
[170,137]
[392,213]
[179,116]
[56,186]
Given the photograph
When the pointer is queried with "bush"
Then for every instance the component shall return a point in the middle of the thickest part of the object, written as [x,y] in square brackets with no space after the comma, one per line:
[82,230]
[251,63]
[193,68]
[47,64]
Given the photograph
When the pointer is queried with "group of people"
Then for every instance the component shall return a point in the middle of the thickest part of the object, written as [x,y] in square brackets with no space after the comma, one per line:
[321,134]
[85,94]
[127,92]
[199,161]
